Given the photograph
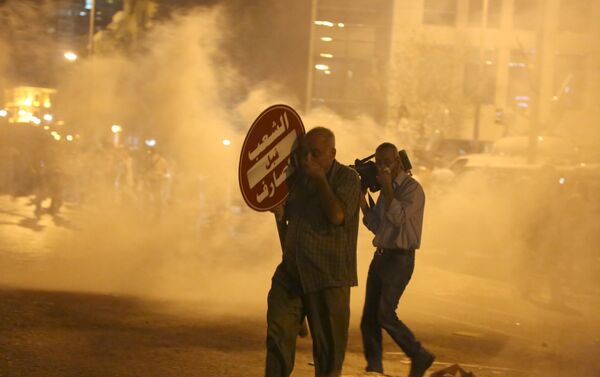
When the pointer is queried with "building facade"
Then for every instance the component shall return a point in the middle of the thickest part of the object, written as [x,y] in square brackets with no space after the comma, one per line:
[349,50]
[459,69]
[495,68]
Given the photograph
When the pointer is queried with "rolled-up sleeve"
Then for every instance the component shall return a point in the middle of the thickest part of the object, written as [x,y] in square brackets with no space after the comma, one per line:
[406,206]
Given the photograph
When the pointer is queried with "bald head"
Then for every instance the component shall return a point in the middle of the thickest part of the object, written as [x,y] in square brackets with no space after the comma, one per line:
[319,142]
[322,134]
[386,157]
[387,147]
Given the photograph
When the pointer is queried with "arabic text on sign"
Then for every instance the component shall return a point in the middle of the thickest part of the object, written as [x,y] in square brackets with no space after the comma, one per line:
[266,164]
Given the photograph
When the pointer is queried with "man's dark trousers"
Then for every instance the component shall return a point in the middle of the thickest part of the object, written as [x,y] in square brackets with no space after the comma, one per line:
[389,273]
[328,314]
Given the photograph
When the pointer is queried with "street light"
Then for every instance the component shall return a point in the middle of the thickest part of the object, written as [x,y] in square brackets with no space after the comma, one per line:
[70,56]
[116,130]
[226,142]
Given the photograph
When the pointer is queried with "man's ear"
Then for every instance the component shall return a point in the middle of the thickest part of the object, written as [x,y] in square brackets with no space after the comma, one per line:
[333,152]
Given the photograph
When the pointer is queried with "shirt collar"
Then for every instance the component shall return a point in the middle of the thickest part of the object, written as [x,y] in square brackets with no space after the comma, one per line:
[400,178]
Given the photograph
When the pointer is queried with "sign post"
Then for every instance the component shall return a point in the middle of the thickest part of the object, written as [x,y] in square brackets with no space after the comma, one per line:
[266,170]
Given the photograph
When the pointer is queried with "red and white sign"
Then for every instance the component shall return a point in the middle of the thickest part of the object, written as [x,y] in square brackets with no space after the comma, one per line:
[266,157]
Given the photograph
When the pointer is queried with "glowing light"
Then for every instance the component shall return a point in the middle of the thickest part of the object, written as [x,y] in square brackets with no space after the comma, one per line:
[540,138]
[36,120]
[324,55]
[3,113]
[324,23]
[328,72]
[56,137]
[69,137]
[46,128]
[47,104]
[517,65]
[22,113]
[226,142]
[82,14]
[27,102]
[150,142]
[70,56]
[48,117]
[562,181]
[116,128]
[341,24]
[326,39]
[489,62]
[322,67]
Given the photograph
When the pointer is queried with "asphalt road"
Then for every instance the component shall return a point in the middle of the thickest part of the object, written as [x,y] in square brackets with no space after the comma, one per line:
[53,326]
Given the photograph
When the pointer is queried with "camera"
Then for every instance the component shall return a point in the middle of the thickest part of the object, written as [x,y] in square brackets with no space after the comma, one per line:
[367,170]
[405,162]
[368,173]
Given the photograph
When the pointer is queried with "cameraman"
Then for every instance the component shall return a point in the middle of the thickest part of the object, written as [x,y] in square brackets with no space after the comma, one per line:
[396,220]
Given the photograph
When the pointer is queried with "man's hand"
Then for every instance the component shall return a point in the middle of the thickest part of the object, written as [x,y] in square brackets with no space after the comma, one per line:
[311,168]
[384,177]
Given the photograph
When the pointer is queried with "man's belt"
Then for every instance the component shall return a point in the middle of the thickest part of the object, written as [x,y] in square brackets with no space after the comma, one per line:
[382,250]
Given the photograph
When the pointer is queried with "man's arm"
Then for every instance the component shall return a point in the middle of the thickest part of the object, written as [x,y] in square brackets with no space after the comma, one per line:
[332,205]
[334,209]
[409,204]
[384,178]
[370,218]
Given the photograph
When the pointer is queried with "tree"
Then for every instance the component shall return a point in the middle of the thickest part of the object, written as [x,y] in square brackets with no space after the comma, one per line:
[425,92]
[127,26]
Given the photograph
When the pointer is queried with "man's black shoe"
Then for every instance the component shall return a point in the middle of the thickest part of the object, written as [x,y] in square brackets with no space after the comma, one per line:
[420,363]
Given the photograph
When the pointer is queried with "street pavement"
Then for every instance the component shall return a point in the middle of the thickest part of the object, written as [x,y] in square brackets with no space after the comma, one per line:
[53,326]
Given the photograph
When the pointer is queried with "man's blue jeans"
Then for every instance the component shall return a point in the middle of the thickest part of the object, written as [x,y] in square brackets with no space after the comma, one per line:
[389,273]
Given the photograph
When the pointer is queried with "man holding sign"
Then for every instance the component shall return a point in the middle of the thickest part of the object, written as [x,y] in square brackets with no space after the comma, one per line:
[318,267]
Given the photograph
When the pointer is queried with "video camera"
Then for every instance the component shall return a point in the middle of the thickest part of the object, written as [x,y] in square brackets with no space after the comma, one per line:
[367,170]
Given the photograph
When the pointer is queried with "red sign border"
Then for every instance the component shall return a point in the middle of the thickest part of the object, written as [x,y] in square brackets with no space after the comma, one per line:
[254,124]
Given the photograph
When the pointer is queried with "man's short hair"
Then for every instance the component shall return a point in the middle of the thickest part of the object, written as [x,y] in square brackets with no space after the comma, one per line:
[324,133]
[385,146]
